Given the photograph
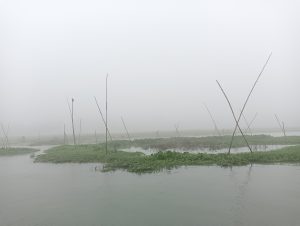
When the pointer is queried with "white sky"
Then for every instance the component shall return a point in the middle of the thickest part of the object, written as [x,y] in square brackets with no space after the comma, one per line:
[163,58]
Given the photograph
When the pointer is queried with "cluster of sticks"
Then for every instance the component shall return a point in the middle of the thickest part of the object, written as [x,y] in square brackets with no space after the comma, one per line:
[237,120]
[104,120]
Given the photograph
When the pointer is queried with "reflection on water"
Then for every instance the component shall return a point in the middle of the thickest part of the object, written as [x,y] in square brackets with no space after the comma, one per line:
[239,207]
[42,194]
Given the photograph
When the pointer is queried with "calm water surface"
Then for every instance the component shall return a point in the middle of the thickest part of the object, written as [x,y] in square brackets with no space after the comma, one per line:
[39,194]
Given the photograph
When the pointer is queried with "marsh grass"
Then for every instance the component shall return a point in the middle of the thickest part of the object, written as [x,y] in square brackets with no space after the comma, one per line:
[211,142]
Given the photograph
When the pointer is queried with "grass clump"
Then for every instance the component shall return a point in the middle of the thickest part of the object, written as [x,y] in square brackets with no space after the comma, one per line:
[140,163]
[16,151]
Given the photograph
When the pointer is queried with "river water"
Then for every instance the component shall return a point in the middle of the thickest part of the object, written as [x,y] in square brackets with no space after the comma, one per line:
[42,194]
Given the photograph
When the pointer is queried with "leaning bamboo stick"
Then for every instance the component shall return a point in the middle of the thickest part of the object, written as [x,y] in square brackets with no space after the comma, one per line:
[106,122]
[281,126]
[236,121]
[247,124]
[103,120]
[5,133]
[213,120]
[250,124]
[244,106]
[126,129]
[72,119]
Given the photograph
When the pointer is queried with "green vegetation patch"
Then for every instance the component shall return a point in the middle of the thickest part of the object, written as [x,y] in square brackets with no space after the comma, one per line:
[16,151]
[211,142]
[140,163]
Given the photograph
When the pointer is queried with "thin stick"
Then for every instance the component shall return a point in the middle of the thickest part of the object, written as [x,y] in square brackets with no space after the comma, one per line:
[80,128]
[72,119]
[237,123]
[6,140]
[248,128]
[96,138]
[157,134]
[247,124]
[99,109]
[283,127]
[280,125]
[239,118]
[177,129]
[64,134]
[213,120]
[106,123]
[126,129]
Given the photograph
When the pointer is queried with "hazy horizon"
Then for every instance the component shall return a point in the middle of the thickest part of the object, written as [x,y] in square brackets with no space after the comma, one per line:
[163,60]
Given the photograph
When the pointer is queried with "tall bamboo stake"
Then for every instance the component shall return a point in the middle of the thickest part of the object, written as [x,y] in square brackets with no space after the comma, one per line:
[106,122]
[64,134]
[237,123]
[244,106]
[213,120]
[80,128]
[126,129]
[72,120]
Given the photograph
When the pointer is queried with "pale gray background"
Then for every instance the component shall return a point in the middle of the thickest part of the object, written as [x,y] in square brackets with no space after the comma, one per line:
[163,58]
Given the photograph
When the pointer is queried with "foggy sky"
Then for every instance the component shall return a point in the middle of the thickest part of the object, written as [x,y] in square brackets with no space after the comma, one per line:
[163,58]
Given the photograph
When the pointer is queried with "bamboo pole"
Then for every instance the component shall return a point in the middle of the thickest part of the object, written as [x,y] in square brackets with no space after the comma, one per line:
[99,109]
[177,130]
[72,119]
[3,139]
[236,121]
[253,119]
[106,122]
[80,129]
[126,129]
[96,138]
[247,125]
[213,120]
[64,134]
[244,106]
[281,125]
[5,133]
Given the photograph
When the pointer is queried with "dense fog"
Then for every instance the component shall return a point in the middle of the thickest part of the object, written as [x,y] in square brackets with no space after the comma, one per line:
[163,59]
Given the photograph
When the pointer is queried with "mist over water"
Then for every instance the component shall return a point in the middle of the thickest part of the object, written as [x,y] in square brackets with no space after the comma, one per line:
[162,59]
